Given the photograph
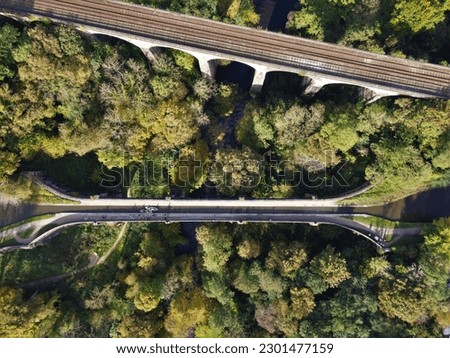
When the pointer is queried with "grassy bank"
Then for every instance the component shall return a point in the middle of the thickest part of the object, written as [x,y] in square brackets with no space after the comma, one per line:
[385,223]
[23,189]
[392,190]
[65,253]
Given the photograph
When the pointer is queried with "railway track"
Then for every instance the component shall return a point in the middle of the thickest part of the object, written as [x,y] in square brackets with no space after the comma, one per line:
[241,43]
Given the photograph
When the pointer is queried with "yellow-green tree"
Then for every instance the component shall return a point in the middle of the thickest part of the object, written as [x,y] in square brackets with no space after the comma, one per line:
[235,171]
[376,267]
[249,248]
[139,326]
[286,258]
[302,302]
[22,318]
[330,266]
[434,260]
[402,298]
[419,15]
[216,243]
[191,168]
[187,310]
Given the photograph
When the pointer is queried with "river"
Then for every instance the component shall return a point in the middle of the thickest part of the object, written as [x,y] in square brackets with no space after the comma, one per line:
[273,16]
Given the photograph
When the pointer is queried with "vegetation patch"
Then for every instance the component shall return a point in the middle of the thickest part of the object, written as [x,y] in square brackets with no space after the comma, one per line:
[378,222]
[64,253]
[25,234]
[7,241]
[24,189]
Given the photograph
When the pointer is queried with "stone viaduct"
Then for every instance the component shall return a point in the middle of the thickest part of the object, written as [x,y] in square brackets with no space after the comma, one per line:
[209,41]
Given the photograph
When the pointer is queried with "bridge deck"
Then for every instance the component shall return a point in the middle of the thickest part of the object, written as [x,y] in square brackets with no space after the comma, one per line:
[274,50]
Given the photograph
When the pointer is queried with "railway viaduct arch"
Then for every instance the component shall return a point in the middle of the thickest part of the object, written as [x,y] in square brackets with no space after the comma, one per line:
[208,41]
[208,61]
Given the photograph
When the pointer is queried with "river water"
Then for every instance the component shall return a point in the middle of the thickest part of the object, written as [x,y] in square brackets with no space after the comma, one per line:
[273,16]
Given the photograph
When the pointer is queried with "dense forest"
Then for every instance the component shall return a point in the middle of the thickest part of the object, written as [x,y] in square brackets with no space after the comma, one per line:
[64,94]
[254,280]
[72,103]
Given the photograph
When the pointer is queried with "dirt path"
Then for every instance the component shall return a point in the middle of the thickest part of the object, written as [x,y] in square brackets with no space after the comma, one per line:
[94,260]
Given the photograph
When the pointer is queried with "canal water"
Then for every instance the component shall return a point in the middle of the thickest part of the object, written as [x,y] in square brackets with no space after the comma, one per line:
[421,207]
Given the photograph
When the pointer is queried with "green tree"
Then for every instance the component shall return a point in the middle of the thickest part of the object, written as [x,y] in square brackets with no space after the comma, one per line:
[54,80]
[9,37]
[321,19]
[352,308]
[286,258]
[340,132]
[330,266]
[140,117]
[397,162]
[235,171]
[314,154]
[437,245]
[419,15]
[434,260]
[224,101]
[205,89]
[179,276]
[190,172]
[246,278]
[145,292]
[297,124]
[216,245]
[223,323]
[200,8]
[271,283]
[99,298]
[216,286]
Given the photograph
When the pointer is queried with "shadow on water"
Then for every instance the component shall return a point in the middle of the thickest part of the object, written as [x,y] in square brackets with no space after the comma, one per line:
[273,13]
[265,9]
[273,16]
[421,207]
[189,232]
[280,13]
[236,72]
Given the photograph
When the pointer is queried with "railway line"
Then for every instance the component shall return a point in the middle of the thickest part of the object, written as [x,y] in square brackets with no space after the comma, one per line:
[227,41]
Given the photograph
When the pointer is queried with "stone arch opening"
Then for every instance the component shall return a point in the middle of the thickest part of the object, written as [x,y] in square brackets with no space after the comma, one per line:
[115,41]
[235,72]
[184,60]
[337,92]
[283,81]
